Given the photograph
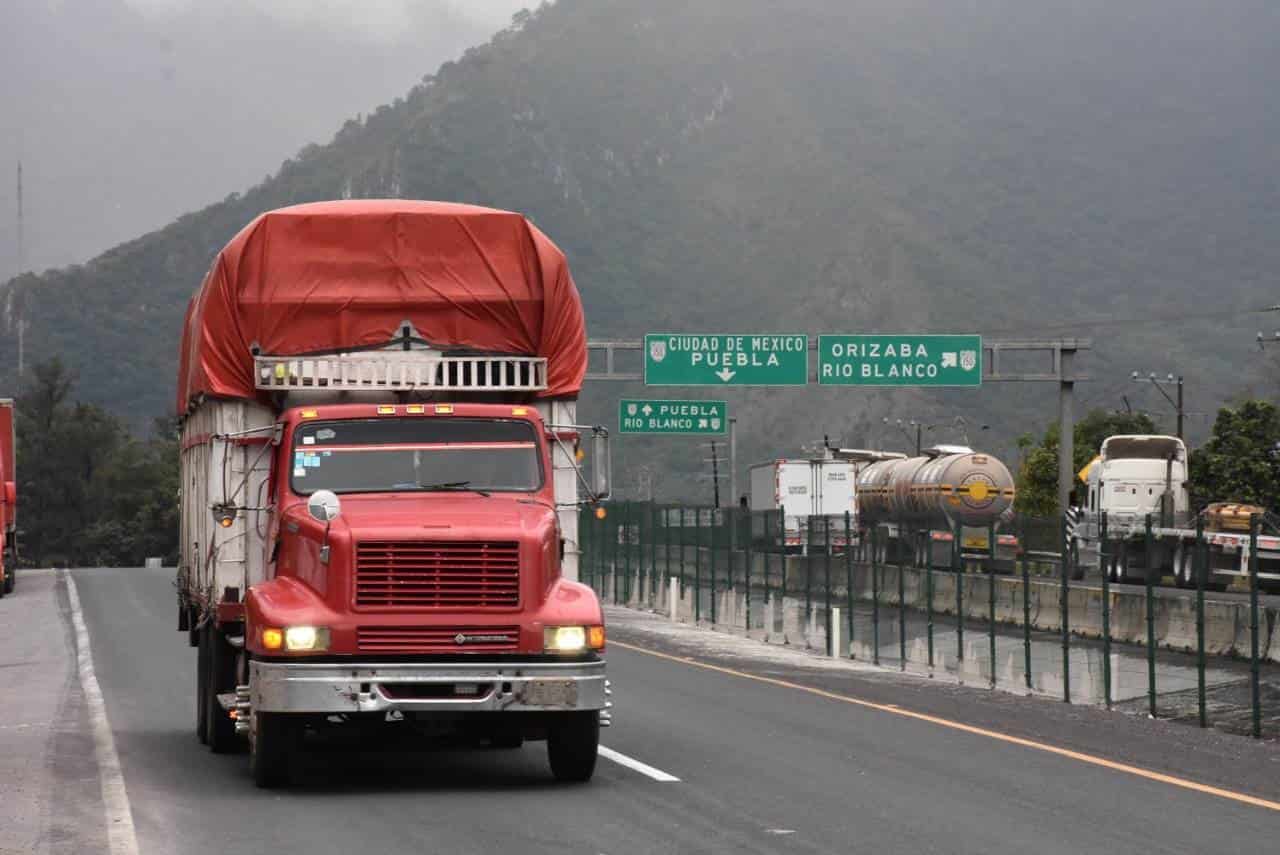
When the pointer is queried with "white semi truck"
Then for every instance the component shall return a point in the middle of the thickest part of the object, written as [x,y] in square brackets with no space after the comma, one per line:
[1142,475]
[805,488]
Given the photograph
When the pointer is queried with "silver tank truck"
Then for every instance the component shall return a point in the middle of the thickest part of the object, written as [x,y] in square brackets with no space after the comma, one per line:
[945,486]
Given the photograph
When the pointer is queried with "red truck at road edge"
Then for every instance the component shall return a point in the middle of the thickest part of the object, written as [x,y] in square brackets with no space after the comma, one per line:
[8,498]
[380,481]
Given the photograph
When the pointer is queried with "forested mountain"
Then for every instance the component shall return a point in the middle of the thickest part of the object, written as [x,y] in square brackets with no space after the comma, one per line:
[1017,169]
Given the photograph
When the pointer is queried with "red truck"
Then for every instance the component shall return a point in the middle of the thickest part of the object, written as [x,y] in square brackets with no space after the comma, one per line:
[380,485]
[8,499]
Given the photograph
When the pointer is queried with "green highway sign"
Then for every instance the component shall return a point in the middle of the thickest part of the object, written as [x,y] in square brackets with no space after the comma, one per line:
[900,360]
[682,359]
[673,417]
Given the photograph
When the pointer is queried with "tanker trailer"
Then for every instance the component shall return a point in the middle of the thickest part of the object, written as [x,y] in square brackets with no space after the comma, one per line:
[921,500]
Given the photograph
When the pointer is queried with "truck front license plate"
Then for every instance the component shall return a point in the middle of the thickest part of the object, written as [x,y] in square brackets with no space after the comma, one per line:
[551,693]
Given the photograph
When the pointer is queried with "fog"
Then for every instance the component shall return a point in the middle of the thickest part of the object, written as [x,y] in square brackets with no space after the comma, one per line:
[127,113]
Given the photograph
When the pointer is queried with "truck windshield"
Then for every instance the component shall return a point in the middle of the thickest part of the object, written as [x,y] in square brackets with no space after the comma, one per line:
[423,454]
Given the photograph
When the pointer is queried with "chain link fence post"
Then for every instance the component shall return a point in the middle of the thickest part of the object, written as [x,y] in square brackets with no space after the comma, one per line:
[1198,567]
[1255,686]
[1064,567]
[957,567]
[1149,579]
[875,595]
[848,574]
[1104,559]
[1026,600]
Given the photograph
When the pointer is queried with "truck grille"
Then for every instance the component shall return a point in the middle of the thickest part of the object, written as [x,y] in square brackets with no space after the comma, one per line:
[452,574]
[438,639]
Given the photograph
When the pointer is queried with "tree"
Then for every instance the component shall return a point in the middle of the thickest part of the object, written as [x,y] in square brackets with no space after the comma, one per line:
[90,493]
[1241,460]
[1037,476]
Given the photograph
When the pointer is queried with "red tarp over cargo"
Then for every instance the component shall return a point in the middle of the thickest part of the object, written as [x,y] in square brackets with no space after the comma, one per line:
[334,275]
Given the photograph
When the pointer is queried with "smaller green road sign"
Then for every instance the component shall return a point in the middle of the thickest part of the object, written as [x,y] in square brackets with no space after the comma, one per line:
[684,359]
[673,417]
[900,360]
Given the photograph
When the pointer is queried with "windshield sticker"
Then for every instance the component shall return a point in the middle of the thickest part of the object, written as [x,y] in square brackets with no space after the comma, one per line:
[299,472]
[313,460]
[325,434]
[308,440]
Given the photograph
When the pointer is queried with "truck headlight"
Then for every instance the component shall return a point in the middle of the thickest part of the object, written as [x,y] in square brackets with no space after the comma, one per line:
[306,638]
[572,639]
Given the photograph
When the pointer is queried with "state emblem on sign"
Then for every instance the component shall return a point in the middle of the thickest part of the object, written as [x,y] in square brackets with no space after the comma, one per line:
[631,409]
[658,350]
[968,359]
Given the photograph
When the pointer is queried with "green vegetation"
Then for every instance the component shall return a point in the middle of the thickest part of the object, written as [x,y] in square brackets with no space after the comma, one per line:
[90,494]
[1241,460]
[1037,476]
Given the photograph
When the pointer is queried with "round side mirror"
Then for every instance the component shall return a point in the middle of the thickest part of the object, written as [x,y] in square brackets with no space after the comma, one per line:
[324,506]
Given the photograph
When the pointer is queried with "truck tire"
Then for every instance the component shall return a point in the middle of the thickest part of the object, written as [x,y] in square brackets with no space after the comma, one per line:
[220,729]
[573,742]
[202,687]
[273,740]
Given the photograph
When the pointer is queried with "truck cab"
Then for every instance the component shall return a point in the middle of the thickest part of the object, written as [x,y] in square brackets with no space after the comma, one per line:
[431,510]
[1137,475]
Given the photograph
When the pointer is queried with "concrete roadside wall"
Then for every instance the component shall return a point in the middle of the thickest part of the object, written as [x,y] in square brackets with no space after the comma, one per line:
[800,619]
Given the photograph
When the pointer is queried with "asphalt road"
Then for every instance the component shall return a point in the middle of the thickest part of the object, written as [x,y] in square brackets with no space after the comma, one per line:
[762,766]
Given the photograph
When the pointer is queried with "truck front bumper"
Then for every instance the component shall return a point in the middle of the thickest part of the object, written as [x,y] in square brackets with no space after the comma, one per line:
[373,687]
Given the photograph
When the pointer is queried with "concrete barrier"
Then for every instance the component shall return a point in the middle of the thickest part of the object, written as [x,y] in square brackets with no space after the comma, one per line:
[787,621]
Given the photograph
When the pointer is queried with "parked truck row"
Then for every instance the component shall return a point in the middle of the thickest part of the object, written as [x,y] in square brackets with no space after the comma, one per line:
[380,483]
[914,504]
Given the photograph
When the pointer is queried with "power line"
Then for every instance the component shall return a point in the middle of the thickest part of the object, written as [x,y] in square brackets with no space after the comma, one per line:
[1134,321]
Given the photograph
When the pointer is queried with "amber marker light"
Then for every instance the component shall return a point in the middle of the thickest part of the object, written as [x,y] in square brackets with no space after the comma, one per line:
[415,409]
[444,409]
[310,414]
[386,410]
[519,411]
[601,513]
[595,637]
[272,638]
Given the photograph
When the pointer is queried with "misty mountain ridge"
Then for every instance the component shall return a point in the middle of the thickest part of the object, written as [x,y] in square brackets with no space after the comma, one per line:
[818,166]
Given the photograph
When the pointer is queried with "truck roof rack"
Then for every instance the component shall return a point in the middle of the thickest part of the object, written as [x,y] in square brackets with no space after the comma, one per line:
[401,370]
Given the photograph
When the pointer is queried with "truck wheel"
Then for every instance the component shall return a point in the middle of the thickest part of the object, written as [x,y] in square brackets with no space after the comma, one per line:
[202,687]
[273,740]
[573,743]
[220,728]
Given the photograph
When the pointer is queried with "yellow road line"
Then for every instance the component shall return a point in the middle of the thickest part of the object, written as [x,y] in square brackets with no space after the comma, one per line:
[1092,759]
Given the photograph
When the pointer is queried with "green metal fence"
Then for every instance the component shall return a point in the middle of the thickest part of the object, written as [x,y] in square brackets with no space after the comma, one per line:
[1007,598]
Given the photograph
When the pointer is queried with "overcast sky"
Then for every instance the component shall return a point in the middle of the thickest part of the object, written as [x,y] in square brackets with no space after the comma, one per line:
[127,113]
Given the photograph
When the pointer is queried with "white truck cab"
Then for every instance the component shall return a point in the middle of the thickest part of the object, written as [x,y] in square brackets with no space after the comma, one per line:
[1140,474]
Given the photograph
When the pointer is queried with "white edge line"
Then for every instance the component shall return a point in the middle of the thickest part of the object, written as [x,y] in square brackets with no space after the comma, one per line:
[115,798]
[636,765]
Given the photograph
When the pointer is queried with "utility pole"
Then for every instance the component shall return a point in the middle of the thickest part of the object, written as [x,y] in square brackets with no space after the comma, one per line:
[1175,403]
[715,472]
[22,265]
[733,461]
